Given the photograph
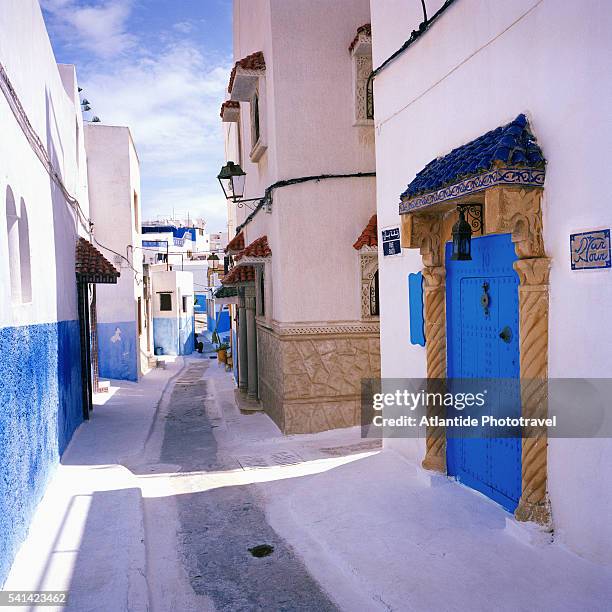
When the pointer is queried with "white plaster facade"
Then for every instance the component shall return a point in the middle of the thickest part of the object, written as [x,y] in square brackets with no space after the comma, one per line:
[307,128]
[481,64]
[49,96]
[41,382]
[115,200]
[173,324]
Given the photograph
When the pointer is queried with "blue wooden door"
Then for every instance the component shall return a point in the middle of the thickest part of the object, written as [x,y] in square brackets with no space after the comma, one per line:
[483,342]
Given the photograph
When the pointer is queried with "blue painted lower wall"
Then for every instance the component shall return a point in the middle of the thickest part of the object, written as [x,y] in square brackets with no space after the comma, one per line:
[200,303]
[235,354]
[40,408]
[223,322]
[117,350]
[174,336]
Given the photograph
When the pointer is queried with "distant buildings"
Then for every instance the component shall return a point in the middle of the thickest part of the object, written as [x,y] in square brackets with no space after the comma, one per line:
[173,314]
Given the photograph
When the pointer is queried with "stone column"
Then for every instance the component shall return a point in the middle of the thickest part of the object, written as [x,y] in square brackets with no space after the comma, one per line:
[533,305]
[242,343]
[251,331]
[435,334]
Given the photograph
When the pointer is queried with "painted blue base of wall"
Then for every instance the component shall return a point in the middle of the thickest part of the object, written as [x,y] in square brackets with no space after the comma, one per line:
[235,355]
[117,350]
[200,303]
[40,408]
[174,337]
[223,322]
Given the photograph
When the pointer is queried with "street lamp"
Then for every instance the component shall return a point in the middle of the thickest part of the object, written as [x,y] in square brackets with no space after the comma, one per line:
[462,239]
[232,178]
[212,259]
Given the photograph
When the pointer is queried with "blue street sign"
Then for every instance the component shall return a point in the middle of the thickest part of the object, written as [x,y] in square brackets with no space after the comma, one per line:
[391,241]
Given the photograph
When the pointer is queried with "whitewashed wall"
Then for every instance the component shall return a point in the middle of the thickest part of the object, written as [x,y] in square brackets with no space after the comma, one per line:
[481,65]
[114,177]
[308,115]
[51,103]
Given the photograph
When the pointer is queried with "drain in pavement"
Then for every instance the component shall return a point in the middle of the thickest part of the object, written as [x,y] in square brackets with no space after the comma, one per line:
[261,550]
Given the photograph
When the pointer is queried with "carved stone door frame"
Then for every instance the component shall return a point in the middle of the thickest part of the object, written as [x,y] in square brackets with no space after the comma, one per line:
[506,210]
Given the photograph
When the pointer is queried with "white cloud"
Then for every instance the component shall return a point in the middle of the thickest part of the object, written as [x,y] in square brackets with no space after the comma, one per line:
[171,103]
[184,27]
[169,97]
[100,29]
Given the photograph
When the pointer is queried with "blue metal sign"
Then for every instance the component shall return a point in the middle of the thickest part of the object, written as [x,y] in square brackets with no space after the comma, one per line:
[391,241]
[590,250]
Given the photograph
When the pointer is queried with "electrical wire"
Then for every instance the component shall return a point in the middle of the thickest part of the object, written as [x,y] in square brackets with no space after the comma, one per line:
[266,199]
[414,36]
[39,148]
[41,153]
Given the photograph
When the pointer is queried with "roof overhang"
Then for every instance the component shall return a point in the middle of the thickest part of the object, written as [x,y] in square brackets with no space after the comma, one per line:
[245,84]
[518,177]
[362,43]
[91,266]
[245,77]
[230,111]
[245,260]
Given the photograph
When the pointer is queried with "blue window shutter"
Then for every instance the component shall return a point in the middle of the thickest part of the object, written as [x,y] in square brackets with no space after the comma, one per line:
[415,301]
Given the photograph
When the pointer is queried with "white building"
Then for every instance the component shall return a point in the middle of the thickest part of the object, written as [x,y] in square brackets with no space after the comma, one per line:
[297,126]
[44,382]
[481,65]
[173,316]
[124,328]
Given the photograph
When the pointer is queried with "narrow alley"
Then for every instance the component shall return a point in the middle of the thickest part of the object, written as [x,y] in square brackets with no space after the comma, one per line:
[162,495]
[304,306]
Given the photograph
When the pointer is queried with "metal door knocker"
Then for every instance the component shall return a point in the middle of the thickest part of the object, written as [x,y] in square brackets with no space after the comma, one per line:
[485,299]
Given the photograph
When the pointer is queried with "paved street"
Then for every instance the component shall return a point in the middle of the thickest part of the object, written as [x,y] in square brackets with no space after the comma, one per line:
[162,494]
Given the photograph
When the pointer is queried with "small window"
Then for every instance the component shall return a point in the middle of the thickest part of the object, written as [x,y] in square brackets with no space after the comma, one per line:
[136,219]
[374,303]
[255,119]
[185,303]
[361,51]
[139,316]
[262,294]
[165,301]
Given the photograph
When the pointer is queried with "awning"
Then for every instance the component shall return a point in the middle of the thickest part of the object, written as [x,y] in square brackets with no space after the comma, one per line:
[244,76]
[238,276]
[230,111]
[91,266]
[255,253]
[369,236]
[235,245]
[508,155]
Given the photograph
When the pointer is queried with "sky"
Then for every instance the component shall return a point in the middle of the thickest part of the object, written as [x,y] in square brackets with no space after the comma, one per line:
[161,67]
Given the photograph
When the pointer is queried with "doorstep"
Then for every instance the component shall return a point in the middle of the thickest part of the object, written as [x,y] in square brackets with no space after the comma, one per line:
[245,404]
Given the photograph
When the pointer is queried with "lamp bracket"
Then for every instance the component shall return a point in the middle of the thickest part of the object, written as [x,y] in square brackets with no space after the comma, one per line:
[473,215]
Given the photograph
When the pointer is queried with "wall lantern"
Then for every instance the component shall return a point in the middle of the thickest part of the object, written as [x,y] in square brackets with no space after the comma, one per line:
[212,260]
[232,178]
[462,238]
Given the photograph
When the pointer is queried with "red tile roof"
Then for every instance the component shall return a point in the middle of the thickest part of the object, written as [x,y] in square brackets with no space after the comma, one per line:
[369,236]
[255,61]
[366,29]
[228,104]
[239,274]
[236,243]
[90,262]
[257,248]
